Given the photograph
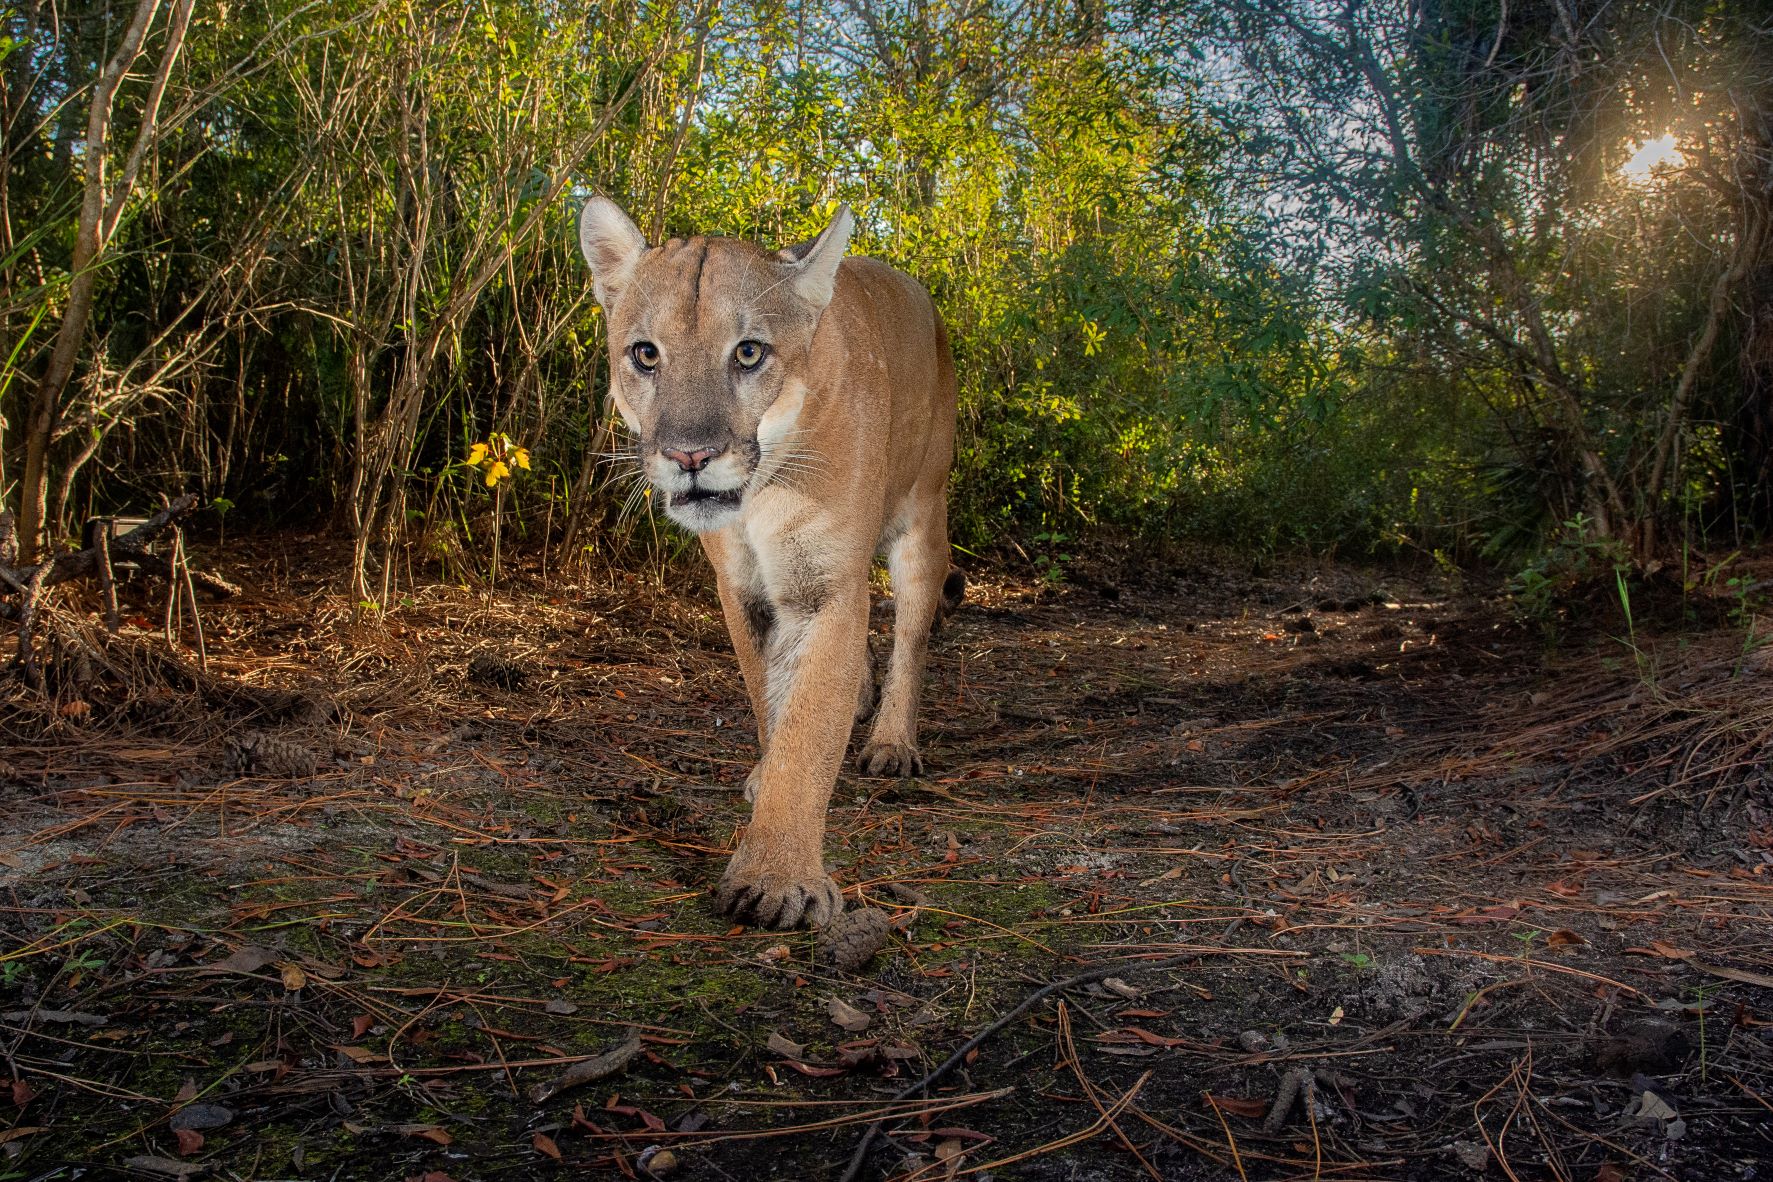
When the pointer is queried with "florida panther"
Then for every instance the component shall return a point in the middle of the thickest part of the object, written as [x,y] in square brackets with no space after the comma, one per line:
[796,409]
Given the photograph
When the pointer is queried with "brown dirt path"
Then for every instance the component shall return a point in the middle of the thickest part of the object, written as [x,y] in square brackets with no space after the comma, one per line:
[1452,907]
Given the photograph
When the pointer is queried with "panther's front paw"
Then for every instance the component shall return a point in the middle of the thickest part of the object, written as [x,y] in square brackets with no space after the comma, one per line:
[889,759]
[755,894]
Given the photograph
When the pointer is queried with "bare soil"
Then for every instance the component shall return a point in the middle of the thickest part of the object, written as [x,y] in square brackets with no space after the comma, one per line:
[1454,903]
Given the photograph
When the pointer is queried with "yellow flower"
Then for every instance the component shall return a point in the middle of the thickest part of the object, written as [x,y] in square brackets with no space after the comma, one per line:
[521,456]
[476,455]
[495,472]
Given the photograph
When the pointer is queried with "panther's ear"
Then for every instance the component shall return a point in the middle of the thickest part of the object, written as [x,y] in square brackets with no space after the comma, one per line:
[816,262]
[612,244]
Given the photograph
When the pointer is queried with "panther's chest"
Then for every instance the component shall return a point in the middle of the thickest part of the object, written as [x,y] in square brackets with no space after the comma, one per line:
[792,550]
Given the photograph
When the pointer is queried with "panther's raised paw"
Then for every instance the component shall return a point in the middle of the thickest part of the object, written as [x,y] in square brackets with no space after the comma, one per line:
[892,760]
[778,901]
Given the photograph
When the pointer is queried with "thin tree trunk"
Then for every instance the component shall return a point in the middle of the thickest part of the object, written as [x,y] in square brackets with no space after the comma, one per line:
[1663,468]
[100,213]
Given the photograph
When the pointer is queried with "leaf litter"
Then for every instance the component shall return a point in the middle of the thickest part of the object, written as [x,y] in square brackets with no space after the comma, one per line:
[1458,905]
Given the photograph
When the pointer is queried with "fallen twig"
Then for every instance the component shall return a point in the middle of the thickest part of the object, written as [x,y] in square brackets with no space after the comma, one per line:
[590,1070]
[1033,999]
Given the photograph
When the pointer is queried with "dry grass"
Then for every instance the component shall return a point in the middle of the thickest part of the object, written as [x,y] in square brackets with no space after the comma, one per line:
[1468,901]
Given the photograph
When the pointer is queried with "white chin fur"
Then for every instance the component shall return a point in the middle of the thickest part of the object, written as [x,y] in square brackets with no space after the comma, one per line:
[704,516]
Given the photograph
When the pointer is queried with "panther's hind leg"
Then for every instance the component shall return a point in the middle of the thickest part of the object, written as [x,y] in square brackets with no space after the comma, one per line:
[869,696]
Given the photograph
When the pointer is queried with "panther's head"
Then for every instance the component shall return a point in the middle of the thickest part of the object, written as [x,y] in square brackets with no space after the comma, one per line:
[710,341]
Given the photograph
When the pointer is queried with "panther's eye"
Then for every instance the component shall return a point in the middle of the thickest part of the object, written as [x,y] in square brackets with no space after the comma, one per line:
[750,354]
[645,355]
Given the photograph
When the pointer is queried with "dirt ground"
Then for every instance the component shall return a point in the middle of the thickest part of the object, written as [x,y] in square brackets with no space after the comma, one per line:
[1429,899]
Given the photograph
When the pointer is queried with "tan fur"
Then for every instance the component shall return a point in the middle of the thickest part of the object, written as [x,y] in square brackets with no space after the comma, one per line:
[834,449]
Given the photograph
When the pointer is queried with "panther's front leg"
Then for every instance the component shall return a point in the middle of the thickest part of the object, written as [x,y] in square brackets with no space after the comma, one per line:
[813,671]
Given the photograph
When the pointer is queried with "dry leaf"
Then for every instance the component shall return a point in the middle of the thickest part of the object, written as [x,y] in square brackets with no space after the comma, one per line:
[190,1141]
[847,1016]
[360,1025]
[1120,988]
[294,979]
[1152,1038]
[1663,949]
[1336,1016]
[814,1072]
[360,1054]
[786,1048]
[1654,1107]
[544,1145]
[433,1133]
[646,1118]
[1563,938]
[1239,1106]
[949,1153]
[249,959]
[14,1134]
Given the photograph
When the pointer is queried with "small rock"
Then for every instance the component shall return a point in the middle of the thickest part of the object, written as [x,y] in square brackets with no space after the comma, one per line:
[656,1161]
[201,1117]
[1473,1155]
[558,1005]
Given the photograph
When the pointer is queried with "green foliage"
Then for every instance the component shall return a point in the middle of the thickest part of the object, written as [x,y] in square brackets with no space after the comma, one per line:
[1269,274]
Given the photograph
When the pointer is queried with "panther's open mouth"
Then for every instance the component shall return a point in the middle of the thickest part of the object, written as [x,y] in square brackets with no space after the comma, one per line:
[726,498]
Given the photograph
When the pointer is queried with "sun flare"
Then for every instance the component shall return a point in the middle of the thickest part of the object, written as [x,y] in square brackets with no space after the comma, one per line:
[1651,155]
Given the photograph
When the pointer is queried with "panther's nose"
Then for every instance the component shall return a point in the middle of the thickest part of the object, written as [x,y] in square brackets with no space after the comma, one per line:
[691,459]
